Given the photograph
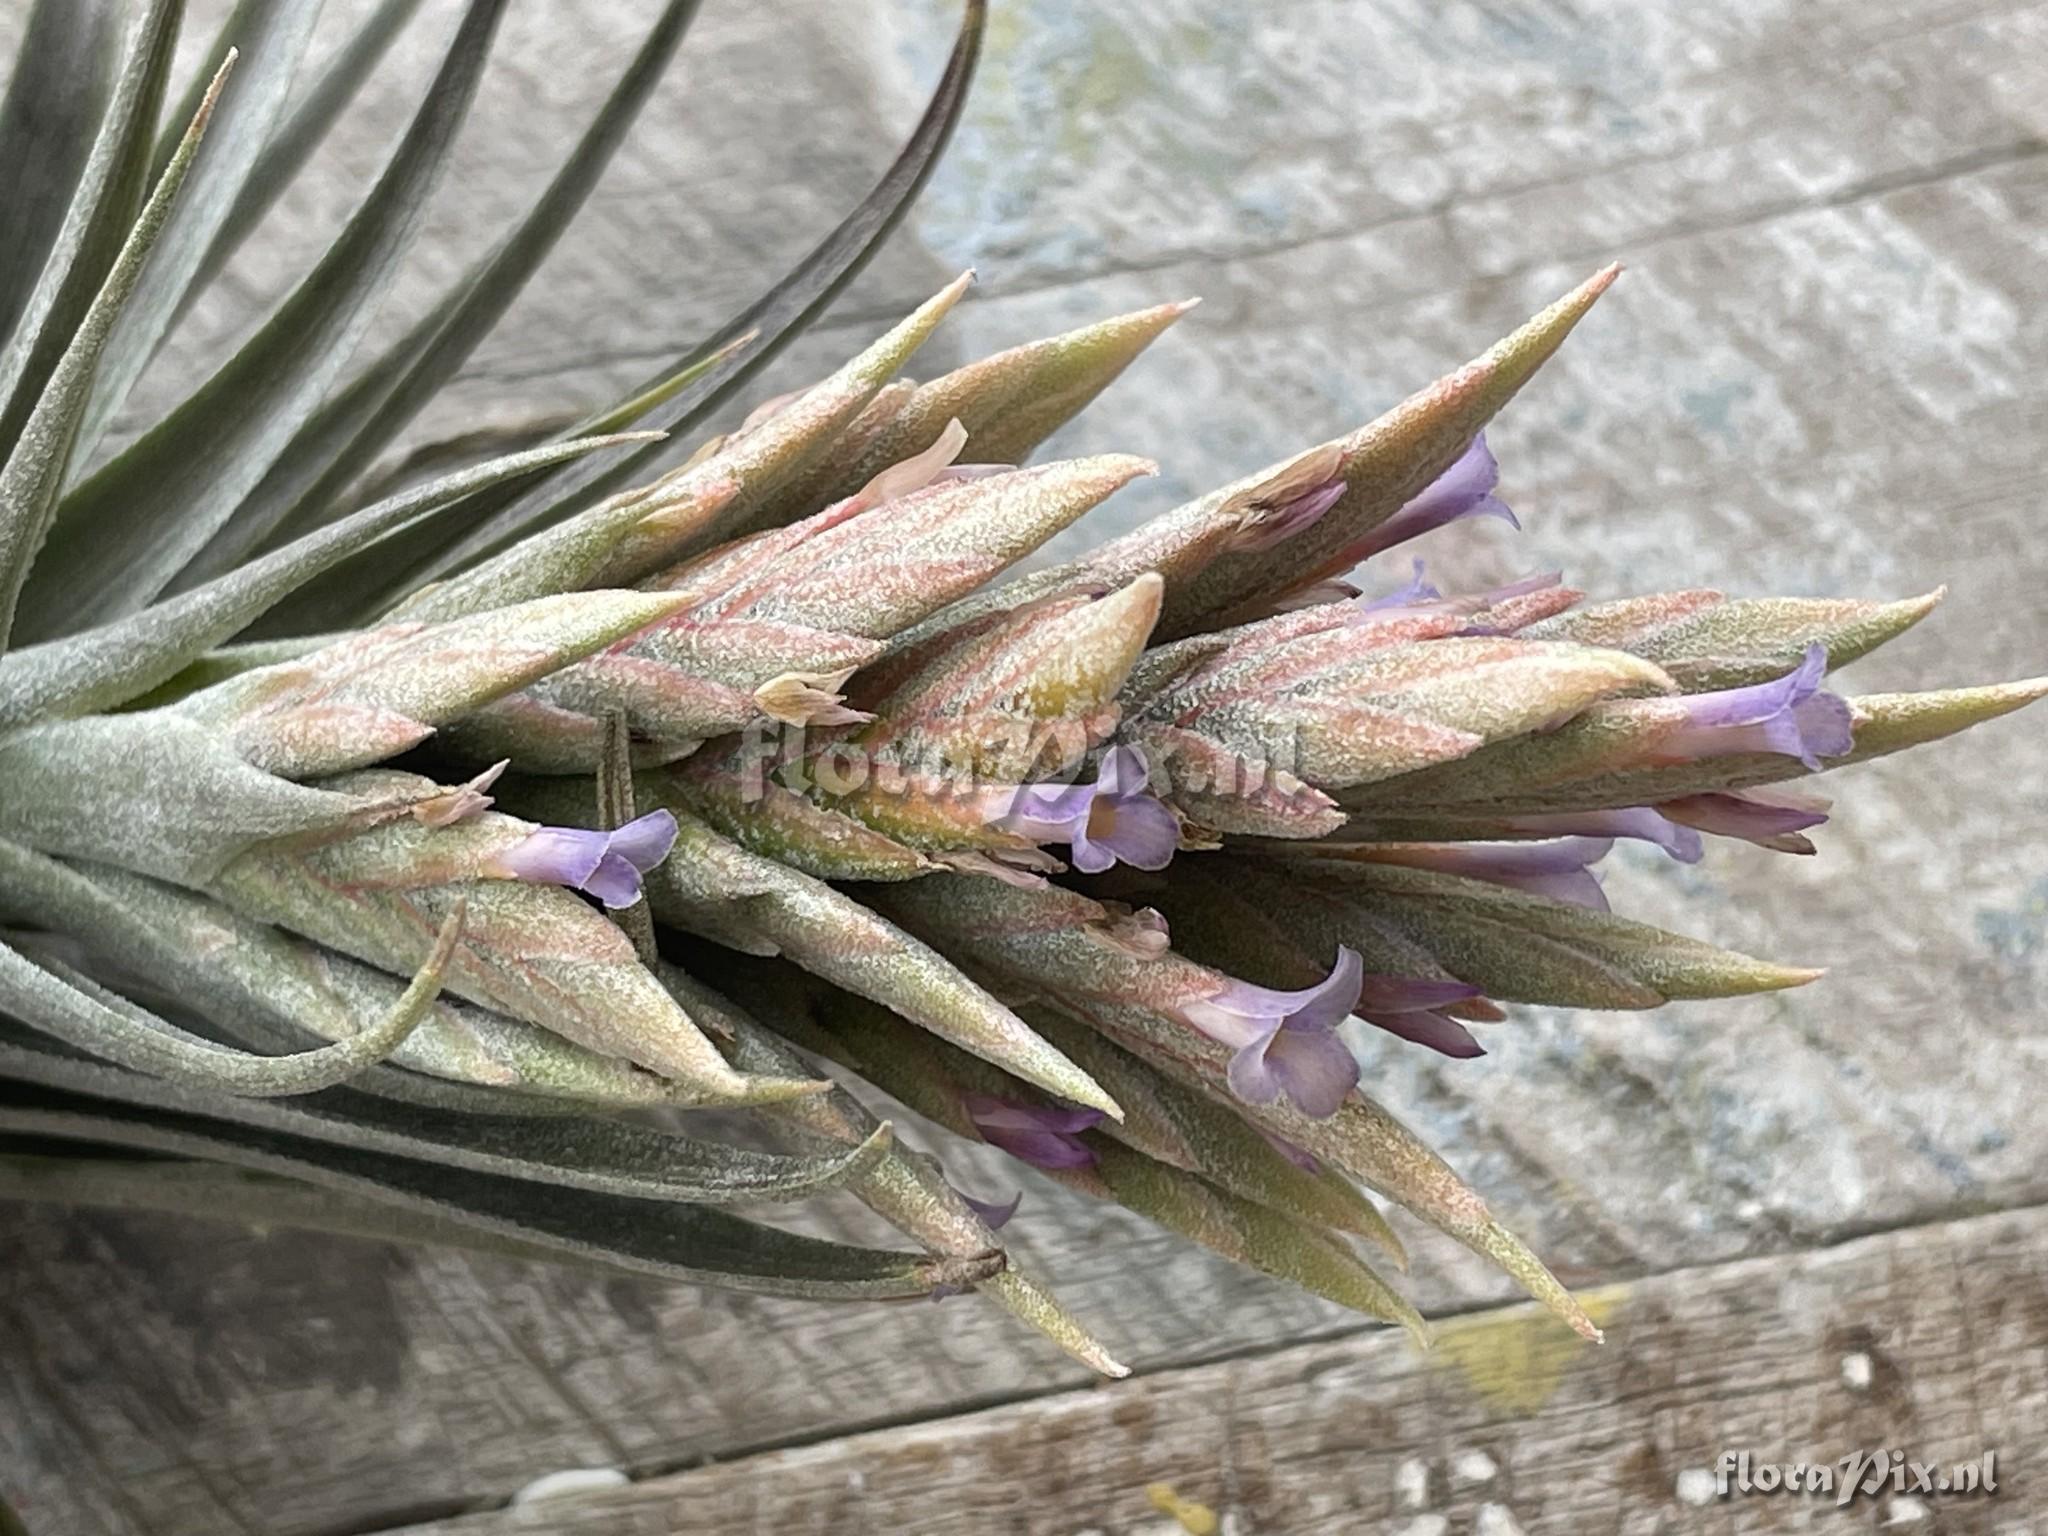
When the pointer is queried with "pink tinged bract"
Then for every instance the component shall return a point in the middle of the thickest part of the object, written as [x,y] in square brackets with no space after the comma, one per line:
[1115,819]
[1045,1136]
[1286,1042]
[1792,716]
[607,865]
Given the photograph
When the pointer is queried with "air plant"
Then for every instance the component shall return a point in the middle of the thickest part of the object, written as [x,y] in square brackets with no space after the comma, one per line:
[412,864]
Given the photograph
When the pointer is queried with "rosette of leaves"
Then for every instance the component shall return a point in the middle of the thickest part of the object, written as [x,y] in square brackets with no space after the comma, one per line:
[418,861]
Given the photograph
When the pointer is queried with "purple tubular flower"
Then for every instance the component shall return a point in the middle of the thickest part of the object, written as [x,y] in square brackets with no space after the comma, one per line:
[1464,490]
[1560,869]
[1644,823]
[1044,1136]
[1791,715]
[1770,818]
[1286,1042]
[993,1215]
[1414,594]
[1115,818]
[1412,1009]
[607,865]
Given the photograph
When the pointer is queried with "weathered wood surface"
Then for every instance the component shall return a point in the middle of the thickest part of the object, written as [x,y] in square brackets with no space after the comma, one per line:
[1932,1341]
[1824,372]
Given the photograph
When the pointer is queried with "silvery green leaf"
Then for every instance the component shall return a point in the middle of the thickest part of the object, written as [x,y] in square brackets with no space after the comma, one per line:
[83,1015]
[306,486]
[1362,1139]
[932,1078]
[1012,401]
[771,321]
[1749,640]
[1255,1235]
[269,989]
[694,1244]
[151,792]
[119,661]
[602,1156]
[716,888]
[104,201]
[536,952]
[1383,464]
[270,38]
[219,1192]
[1603,758]
[375,694]
[125,533]
[56,96]
[1173,1124]
[904,1189]
[305,124]
[40,454]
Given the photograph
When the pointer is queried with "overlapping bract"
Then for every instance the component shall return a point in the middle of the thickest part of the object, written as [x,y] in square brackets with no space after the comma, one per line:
[748,756]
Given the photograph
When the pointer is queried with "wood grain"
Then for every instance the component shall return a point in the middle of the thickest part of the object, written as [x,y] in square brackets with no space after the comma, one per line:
[1823,372]
[1933,1341]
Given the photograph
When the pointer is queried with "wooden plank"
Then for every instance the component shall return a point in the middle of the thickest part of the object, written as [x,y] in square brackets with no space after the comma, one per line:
[1933,1341]
[1819,375]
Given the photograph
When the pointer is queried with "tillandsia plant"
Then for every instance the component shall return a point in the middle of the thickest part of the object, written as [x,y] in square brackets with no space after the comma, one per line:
[410,863]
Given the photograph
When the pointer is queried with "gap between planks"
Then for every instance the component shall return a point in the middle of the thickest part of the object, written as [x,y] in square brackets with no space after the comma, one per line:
[1930,1337]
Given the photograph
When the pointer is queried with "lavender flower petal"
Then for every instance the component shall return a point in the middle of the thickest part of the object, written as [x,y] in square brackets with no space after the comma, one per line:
[1135,829]
[1115,818]
[1642,822]
[1439,1031]
[645,841]
[615,882]
[1791,716]
[1286,1042]
[1044,1136]
[1464,490]
[607,865]
[1415,593]
[1559,869]
[994,1216]
[553,856]
[1769,818]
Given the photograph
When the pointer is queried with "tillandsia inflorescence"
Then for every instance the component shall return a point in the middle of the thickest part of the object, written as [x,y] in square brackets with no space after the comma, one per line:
[403,865]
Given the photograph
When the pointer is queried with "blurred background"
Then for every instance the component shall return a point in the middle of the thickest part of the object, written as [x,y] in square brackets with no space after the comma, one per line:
[1822,373]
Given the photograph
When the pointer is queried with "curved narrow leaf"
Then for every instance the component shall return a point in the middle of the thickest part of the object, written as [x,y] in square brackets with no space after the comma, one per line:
[305,125]
[63,75]
[259,987]
[304,487]
[122,660]
[102,1180]
[573,1152]
[270,36]
[690,1243]
[107,1026]
[775,318]
[96,225]
[904,1188]
[126,532]
[41,454]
